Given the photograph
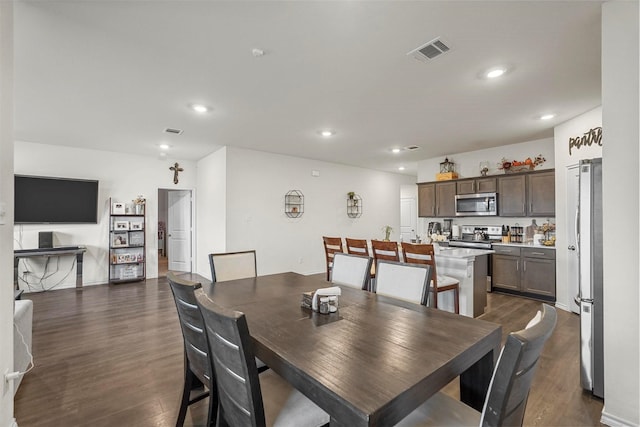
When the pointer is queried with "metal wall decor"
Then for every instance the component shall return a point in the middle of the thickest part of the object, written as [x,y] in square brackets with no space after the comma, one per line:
[593,136]
[354,205]
[176,168]
[294,204]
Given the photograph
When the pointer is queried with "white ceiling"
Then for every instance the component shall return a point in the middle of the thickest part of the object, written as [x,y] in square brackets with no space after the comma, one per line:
[113,75]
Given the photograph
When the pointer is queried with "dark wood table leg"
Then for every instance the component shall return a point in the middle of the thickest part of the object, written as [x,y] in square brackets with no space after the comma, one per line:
[474,382]
[79,262]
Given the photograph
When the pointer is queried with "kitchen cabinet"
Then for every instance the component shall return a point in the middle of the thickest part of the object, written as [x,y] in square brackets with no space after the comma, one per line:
[529,271]
[512,193]
[437,199]
[477,185]
[446,199]
[427,200]
[541,195]
[529,194]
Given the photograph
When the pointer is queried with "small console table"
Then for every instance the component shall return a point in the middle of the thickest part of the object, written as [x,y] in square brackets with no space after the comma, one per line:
[78,251]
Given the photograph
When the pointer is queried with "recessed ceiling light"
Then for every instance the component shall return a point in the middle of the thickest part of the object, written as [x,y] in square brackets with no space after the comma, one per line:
[496,72]
[547,116]
[198,108]
[395,150]
[401,168]
[164,146]
[327,133]
[257,52]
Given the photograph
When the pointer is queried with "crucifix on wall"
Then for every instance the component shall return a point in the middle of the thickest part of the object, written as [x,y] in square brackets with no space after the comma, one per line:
[176,168]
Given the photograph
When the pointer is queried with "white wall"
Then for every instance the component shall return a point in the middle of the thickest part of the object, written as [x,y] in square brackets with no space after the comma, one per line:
[6,203]
[256,185]
[121,177]
[621,191]
[571,129]
[211,210]
[468,164]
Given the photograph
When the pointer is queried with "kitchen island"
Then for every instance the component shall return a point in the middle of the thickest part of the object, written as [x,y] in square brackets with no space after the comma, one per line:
[469,267]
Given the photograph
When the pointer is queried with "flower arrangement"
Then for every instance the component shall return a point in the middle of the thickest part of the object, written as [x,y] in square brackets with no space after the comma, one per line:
[516,165]
[140,200]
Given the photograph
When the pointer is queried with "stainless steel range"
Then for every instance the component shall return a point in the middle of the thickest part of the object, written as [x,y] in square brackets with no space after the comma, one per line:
[477,236]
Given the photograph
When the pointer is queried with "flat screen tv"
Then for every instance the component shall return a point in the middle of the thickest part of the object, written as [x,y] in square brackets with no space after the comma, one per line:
[47,200]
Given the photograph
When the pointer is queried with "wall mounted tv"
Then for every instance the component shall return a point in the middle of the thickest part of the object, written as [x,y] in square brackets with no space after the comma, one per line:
[47,200]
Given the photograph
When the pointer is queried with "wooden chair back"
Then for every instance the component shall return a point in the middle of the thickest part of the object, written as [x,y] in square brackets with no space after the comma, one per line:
[420,254]
[409,282]
[331,246]
[234,363]
[351,270]
[196,350]
[232,265]
[383,250]
[357,246]
[509,388]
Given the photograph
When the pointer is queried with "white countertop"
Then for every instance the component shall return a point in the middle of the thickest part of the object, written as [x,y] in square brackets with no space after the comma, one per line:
[446,252]
[524,245]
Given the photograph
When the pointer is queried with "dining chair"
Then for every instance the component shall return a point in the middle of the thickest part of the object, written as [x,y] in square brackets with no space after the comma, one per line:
[425,254]
[357,246]
[409,282]
[232,265]
[239,387]
[385,250]
[331,246]
[351,270]
[508,391]
[198,369]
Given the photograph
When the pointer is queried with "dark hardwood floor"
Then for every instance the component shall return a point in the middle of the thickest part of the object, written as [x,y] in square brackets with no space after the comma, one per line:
[111,355]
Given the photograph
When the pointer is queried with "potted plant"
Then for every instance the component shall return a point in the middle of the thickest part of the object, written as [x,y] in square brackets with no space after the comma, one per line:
[387,232]
[139,203]
[351,194]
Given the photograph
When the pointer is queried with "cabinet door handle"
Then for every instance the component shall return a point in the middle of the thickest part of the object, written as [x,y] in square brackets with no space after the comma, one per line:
[537,253]
[524,265]
[518,265]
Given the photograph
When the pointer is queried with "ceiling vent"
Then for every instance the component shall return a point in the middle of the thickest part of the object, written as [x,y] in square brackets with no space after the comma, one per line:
[411,147]
[174,131]
[430,50]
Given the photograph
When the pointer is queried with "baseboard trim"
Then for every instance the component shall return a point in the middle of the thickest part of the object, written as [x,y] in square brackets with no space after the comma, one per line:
[562,306]
[613,421]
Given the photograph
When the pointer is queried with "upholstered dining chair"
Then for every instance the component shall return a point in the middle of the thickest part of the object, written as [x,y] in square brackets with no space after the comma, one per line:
[239,387]
[232,265]
[425,254]
[198,369]
[409,282]
[331,246]
[506,398]
[351,270]
[385,250]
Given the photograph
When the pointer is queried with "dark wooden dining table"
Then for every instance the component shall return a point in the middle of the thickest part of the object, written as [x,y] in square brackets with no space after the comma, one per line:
[373,361]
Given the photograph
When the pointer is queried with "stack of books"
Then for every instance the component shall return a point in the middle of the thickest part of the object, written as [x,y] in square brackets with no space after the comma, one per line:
[307,300]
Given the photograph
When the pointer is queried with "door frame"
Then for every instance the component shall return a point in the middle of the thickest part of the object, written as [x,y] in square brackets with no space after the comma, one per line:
[193,223]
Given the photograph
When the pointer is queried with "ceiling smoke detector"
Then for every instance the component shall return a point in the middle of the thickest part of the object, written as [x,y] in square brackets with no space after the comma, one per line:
[174,131]
[429,50]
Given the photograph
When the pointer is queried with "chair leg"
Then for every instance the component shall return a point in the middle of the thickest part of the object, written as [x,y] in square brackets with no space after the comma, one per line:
[186,393]
[435,298]
[456,299]
[212,417]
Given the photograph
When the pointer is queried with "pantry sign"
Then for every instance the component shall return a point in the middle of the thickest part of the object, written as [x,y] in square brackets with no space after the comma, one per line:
[593,136]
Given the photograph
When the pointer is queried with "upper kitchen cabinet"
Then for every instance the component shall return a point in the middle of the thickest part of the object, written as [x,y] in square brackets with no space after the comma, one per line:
[542,195]
[426,200]
[446,199]
[512,195]
[478,185]
[527,194]
[437,199]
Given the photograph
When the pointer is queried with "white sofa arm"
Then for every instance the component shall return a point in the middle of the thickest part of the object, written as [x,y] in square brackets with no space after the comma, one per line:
[23,321]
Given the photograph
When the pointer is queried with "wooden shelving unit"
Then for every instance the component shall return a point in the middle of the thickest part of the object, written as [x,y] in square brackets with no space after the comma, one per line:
[127,244]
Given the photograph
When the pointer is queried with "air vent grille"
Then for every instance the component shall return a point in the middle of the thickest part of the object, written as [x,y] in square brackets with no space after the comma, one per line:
[174,131]
[430,50]
[411,147]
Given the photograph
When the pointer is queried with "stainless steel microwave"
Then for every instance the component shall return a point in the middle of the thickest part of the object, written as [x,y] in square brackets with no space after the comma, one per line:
[480,204]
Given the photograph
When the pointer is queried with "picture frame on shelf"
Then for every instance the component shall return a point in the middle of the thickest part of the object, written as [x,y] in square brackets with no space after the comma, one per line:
[119,239]
[121,225]
[135,226]
[118,208]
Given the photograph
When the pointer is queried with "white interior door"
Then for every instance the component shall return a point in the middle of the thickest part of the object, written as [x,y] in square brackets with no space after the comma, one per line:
[573,267]
[408,219]
[179,230]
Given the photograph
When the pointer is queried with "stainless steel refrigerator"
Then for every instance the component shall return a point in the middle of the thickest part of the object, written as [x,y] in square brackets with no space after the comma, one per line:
[590,295]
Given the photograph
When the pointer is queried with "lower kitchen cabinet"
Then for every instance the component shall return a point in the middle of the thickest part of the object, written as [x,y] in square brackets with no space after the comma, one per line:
[527,271]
